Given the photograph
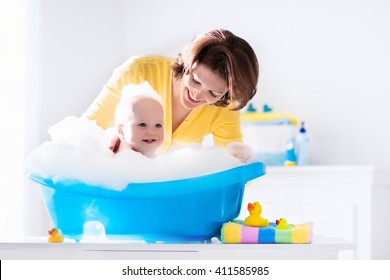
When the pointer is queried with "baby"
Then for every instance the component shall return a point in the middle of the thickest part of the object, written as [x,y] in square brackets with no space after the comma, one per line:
[139,120]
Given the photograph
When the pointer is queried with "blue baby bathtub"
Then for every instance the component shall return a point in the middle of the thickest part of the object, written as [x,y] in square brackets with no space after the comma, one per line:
[185,210]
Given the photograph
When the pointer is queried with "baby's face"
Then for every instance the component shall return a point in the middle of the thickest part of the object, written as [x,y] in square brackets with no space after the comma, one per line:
[144,132]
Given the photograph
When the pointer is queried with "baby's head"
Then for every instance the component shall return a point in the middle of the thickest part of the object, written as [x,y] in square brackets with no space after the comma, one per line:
[139,119]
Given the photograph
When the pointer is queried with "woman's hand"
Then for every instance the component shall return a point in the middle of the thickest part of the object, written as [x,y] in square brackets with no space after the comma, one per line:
[240,150]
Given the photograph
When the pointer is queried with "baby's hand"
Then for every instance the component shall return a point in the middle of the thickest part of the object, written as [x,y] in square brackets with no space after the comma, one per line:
[241,151]
[113,140]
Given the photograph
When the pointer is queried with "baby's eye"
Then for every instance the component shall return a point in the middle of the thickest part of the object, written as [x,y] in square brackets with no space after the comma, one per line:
[159,125]
[142,124]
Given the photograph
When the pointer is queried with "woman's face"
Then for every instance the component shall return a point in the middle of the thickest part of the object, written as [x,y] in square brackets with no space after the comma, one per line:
[200,85]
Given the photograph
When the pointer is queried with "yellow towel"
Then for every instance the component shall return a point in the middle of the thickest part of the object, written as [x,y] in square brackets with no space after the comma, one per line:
[268,116]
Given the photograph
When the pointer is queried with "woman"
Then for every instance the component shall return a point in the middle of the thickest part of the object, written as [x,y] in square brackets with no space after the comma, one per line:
[202,90]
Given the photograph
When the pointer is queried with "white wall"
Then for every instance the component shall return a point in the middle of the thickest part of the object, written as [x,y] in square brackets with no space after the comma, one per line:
[326,62]
[82,41]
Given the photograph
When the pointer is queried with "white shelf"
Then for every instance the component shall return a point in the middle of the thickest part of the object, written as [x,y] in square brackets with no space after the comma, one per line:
[38,249]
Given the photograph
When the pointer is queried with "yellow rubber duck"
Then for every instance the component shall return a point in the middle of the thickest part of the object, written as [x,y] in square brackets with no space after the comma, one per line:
[254,219]
[282,224]
[55,235]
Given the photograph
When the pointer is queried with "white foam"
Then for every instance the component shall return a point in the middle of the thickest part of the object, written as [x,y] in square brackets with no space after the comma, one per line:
[78,150]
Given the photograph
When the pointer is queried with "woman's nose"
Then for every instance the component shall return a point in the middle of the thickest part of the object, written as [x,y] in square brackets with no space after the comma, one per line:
[195,94]
[198,93]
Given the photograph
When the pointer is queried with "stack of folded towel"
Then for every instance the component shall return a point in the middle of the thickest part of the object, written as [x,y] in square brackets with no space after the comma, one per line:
[267,134]
[237,232]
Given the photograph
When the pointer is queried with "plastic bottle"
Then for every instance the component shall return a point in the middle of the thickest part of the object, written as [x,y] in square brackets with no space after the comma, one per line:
[290,158]
[302,146]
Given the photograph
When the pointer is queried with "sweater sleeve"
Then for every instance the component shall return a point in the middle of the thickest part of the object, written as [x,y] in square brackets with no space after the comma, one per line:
[102,110]
[228,129]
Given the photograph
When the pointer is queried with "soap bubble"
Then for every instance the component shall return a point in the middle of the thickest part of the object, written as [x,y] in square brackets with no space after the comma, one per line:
[79,151]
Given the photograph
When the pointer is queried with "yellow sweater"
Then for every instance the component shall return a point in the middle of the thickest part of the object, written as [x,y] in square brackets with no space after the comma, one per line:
[223,123]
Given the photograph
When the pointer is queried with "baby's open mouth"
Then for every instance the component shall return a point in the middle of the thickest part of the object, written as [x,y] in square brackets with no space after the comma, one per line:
[149,141]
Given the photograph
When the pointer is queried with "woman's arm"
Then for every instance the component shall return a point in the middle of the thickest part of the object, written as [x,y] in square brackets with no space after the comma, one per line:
[102,110]
[228,134]
[227,127]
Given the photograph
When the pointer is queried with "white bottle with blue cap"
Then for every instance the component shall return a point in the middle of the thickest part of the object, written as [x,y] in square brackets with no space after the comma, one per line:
[302,146]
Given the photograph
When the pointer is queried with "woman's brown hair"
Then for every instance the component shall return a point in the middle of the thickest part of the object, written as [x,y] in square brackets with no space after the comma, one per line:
[228,55]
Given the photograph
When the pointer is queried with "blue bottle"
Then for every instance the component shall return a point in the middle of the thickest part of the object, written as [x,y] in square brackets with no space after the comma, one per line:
[290,157]
[302,146]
